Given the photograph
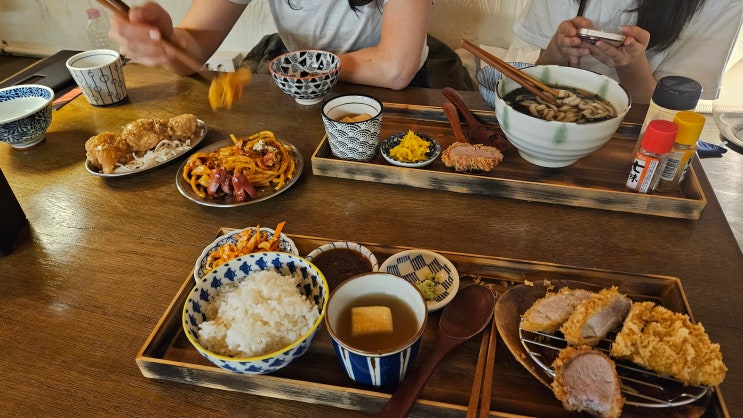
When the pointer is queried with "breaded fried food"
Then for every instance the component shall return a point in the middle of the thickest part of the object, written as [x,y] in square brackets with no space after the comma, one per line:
[550,312]
[669,344]
[143,134]
[464,157]
[586,380]
[593,318]
[107,149]
[184,127]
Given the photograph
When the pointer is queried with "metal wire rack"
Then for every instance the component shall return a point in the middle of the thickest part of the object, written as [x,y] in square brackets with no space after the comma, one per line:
[639,386]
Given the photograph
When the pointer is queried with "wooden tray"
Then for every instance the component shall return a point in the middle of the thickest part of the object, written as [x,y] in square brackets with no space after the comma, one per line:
[454,387]
[596,181]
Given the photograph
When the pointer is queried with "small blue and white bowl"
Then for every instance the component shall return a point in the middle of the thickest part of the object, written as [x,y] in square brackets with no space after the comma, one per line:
[416,265]
[434,150]
[306,75]
[379,368]
[312,285]
[25,114]
[200,267]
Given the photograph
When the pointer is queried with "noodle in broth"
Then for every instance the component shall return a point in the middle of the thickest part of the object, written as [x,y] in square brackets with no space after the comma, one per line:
[573,105]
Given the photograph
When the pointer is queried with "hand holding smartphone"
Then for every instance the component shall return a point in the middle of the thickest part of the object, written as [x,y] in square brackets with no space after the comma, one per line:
[591,35]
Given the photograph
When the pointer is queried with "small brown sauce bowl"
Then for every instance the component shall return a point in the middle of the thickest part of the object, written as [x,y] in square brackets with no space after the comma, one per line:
[341,260]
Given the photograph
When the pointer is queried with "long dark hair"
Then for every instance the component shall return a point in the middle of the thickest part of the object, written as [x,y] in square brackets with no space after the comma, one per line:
[664,19]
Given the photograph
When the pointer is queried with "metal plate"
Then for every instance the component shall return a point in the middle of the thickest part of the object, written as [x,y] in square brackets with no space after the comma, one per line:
[94,171]
[264,193]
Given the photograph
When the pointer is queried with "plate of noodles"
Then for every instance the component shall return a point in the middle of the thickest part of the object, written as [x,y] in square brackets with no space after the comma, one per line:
[164,152]
[240,171]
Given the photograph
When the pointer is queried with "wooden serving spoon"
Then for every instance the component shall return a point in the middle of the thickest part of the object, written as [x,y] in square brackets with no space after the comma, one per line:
[479,132]
[464,317]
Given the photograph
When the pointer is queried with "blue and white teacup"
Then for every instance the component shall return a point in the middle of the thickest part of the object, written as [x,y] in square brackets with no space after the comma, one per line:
[100,75]
[383,368]
[353,140]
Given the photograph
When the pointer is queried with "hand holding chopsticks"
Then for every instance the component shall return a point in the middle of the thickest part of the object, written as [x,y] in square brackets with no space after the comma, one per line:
[121,9]
[535,86]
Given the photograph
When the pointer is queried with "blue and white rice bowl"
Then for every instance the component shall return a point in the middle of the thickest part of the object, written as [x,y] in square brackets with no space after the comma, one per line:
[306,75]
[25,114]
[556,144]
[488,76]
[416,265]
[200,267]
[379,369]
[312,285]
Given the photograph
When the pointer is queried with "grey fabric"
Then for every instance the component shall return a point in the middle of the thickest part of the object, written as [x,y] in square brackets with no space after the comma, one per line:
[445,69]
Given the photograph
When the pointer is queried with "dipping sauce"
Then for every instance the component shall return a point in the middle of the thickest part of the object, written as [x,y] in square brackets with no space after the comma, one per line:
[405,325]
[339,264]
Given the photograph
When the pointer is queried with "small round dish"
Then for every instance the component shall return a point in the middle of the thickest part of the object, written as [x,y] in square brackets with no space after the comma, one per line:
[341,260]
[434,150]
[416,266]
[200,266]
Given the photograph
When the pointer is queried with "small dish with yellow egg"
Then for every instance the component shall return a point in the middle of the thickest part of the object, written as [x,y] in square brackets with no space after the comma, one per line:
[410,149]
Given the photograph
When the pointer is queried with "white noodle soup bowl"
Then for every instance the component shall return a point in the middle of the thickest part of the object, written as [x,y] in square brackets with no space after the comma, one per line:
[559,144]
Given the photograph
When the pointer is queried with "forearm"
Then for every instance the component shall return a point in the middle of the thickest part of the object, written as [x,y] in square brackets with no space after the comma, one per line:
[637,80]
[395,60]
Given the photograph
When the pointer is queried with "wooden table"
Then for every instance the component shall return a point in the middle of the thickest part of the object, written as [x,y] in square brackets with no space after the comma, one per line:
[106,256]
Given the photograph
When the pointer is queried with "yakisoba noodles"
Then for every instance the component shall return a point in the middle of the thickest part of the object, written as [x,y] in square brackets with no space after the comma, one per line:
[260,160]
[573,105]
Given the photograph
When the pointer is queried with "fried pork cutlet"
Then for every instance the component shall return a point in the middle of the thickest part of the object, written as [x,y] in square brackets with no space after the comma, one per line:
[107,149]
[586,381]
[143,134]
[593,318]
[464,157]
[550,312]
[184,127]
[669,344]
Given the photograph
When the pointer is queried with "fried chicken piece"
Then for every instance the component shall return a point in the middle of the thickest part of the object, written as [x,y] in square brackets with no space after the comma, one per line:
[586,380]
[107,149]
[143,134]
[593,318]
[669,344]
[184,127]
[465,157]
[550,312]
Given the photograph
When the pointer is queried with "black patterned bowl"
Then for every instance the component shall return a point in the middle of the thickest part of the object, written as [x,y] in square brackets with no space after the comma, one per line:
[306,75]
[25,114]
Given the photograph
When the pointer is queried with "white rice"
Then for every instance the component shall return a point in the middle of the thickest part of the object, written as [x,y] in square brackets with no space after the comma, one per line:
[263,313]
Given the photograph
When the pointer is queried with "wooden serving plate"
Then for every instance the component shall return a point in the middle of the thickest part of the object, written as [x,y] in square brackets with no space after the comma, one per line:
[596,181]
[454,388]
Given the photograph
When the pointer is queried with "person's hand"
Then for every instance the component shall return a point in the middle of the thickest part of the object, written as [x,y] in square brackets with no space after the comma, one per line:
[565,47]
[630,55]
[140,37]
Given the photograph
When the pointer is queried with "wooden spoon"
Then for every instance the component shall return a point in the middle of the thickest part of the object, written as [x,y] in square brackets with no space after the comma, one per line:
[451,113]
[464,317]
[479,132]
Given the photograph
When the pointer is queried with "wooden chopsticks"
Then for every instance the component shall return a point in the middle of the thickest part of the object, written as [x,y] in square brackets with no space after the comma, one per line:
[122,10]
[530,83]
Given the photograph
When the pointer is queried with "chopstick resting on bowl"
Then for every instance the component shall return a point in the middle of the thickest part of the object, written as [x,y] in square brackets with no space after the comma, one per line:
[530,83]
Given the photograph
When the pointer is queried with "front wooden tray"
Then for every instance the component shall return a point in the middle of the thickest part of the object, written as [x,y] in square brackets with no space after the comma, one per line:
[454,387]
[596,181]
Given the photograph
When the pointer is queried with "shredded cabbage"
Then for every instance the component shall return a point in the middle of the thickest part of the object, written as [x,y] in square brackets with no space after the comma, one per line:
[163,151]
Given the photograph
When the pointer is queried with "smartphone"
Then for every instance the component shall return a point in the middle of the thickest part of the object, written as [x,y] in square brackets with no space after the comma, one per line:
[590,35]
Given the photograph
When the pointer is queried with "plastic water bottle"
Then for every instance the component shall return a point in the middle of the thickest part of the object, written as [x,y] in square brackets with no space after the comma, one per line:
[98,28]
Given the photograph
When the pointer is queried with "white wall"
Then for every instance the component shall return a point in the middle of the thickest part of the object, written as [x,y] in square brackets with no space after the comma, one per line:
[42,27]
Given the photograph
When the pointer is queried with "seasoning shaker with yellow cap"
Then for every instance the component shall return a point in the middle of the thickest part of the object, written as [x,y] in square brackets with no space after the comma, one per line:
[690,126]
